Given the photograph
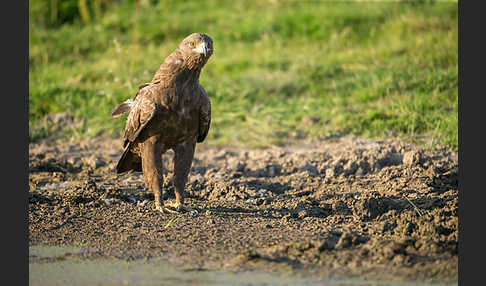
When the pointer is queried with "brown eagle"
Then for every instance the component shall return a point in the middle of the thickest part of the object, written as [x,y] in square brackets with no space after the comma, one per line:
[171,112]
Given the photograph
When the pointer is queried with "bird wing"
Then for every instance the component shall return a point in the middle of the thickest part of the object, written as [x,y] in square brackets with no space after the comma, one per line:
[204,115]
[143,109]
[126,106]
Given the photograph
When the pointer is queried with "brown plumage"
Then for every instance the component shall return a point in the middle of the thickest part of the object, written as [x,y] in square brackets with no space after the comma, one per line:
[173,111]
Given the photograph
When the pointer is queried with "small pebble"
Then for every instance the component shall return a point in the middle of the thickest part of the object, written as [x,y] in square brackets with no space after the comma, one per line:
[143,203]
[108,202]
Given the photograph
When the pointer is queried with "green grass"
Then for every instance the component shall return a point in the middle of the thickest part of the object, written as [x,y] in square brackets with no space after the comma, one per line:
[281,69]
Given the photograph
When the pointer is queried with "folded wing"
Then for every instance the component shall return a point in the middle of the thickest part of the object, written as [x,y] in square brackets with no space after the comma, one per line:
[204,116]
[142,111]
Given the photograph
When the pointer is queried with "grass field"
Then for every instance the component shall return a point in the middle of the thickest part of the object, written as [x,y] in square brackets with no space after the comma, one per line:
[281,69]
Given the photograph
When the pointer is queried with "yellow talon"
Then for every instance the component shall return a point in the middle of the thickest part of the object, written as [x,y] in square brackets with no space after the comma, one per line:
[163,209]
[179,208]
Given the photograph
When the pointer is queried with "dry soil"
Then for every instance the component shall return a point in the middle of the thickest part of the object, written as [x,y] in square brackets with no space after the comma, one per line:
[348,207]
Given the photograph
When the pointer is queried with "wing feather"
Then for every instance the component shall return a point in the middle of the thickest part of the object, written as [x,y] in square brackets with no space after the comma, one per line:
[204,116]
[143,110]
[125,107]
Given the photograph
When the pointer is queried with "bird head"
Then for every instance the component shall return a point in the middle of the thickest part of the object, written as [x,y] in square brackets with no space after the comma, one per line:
[198,46]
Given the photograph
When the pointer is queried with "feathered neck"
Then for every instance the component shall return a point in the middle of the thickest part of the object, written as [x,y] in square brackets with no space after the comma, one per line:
[180,66]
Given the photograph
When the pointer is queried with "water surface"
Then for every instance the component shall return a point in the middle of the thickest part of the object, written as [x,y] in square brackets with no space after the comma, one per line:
[69,270]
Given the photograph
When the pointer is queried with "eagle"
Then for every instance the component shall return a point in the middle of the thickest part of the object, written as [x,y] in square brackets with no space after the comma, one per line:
[173,111]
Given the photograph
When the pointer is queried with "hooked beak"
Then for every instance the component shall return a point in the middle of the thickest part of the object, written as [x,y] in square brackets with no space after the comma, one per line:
[202,48]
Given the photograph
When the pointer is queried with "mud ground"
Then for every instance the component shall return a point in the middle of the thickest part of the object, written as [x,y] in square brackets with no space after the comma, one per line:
[348,207]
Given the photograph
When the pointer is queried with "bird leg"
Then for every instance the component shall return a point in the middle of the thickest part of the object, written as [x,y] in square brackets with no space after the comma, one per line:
[152,171]
[183,155]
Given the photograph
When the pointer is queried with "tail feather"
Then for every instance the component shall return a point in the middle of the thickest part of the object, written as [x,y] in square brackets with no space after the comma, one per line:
[129,162]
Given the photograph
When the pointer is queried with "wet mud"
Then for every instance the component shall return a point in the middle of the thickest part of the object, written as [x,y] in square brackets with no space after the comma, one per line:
[368,209]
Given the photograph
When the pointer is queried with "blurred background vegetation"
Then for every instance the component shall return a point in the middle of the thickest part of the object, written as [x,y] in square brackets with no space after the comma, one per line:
[281,70]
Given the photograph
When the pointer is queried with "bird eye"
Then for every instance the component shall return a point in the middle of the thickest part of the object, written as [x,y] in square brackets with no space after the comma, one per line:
[193,44]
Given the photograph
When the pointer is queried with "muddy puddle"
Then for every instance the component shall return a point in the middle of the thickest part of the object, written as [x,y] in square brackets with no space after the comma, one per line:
[362,209]
[51,265]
